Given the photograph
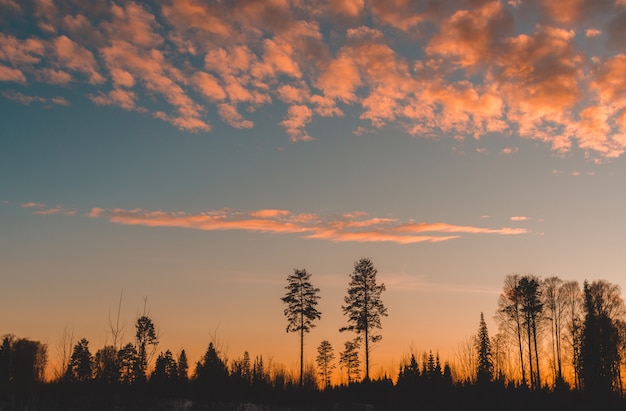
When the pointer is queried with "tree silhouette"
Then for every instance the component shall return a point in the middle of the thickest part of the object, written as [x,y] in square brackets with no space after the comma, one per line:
[80,367]
[554,301]
[106,365]
[165,369]
[301,299]
[531,309]
[26,360]
[573,305]
[349,359]
[484,371]
[600,360]
[325,357]
[364,306]
[211,370]
[147,339]
[509,315]
[183,366]
[129,364]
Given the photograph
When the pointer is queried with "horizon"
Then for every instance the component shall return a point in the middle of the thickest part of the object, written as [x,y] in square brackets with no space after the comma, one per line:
[193,154]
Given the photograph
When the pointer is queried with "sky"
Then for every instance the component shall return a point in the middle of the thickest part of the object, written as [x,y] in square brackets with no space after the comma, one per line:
[188,155]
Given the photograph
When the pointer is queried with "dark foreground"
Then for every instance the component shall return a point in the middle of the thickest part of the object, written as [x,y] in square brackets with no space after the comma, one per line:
[372,396]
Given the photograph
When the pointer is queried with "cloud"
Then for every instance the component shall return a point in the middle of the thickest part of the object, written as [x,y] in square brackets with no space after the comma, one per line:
[298,116]
[42,209]
[27,100]
[349,227]
[11,74]
[519,218]
[453,69]
[75,57]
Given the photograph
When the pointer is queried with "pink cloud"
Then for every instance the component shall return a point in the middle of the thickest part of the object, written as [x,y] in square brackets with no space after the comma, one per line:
[350,8]
[229,114]
[42,209]
[27,100]
[21,52]
[32,204]
[472,36]
[402,14]
[53,76]
[132,23]
[519,218]
[11,74]
[298,116]
[449,228]
[77,58]
[209,86]
[118,97]
[357,227]
[152,69]
[592,33]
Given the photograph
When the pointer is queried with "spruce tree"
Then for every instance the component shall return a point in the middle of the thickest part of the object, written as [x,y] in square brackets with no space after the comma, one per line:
[484,371]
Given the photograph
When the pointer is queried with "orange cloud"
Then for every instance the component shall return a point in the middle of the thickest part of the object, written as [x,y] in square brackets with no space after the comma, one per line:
[27,100]
[298,116]
[454,68]
[77,58]
[355,227]
[42,209]
[11,74]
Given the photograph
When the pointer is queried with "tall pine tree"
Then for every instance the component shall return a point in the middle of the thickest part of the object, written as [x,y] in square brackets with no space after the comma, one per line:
[364,306]
[301,299]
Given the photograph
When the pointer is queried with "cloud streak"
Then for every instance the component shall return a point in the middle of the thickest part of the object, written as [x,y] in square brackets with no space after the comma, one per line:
[526,68]
[350,227]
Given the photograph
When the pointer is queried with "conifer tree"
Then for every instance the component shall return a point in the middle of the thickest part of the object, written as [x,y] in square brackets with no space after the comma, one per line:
[183,366]
[349,359]
[301,299]
[364,306]
[484,372]
[147,341]
[325,357]
[80,367]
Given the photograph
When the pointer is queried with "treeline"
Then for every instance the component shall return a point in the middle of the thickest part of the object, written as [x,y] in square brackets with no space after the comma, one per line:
[557,343]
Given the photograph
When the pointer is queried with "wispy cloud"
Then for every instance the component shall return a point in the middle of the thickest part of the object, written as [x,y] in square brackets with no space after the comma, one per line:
[474,71]
[27,100]
[42,209]
[350,227]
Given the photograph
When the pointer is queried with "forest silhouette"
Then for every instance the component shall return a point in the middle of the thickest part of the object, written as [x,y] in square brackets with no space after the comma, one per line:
[558,346]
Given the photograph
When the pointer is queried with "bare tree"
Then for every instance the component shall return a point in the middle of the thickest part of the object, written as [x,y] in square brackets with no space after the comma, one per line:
[116,329]
[531,309]
[364,306]
[301,299]
[573,302]
[466,360]
[509,315]
[64,351]
[553,297]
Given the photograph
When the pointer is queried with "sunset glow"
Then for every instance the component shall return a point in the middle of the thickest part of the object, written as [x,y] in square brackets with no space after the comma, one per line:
[190,154]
